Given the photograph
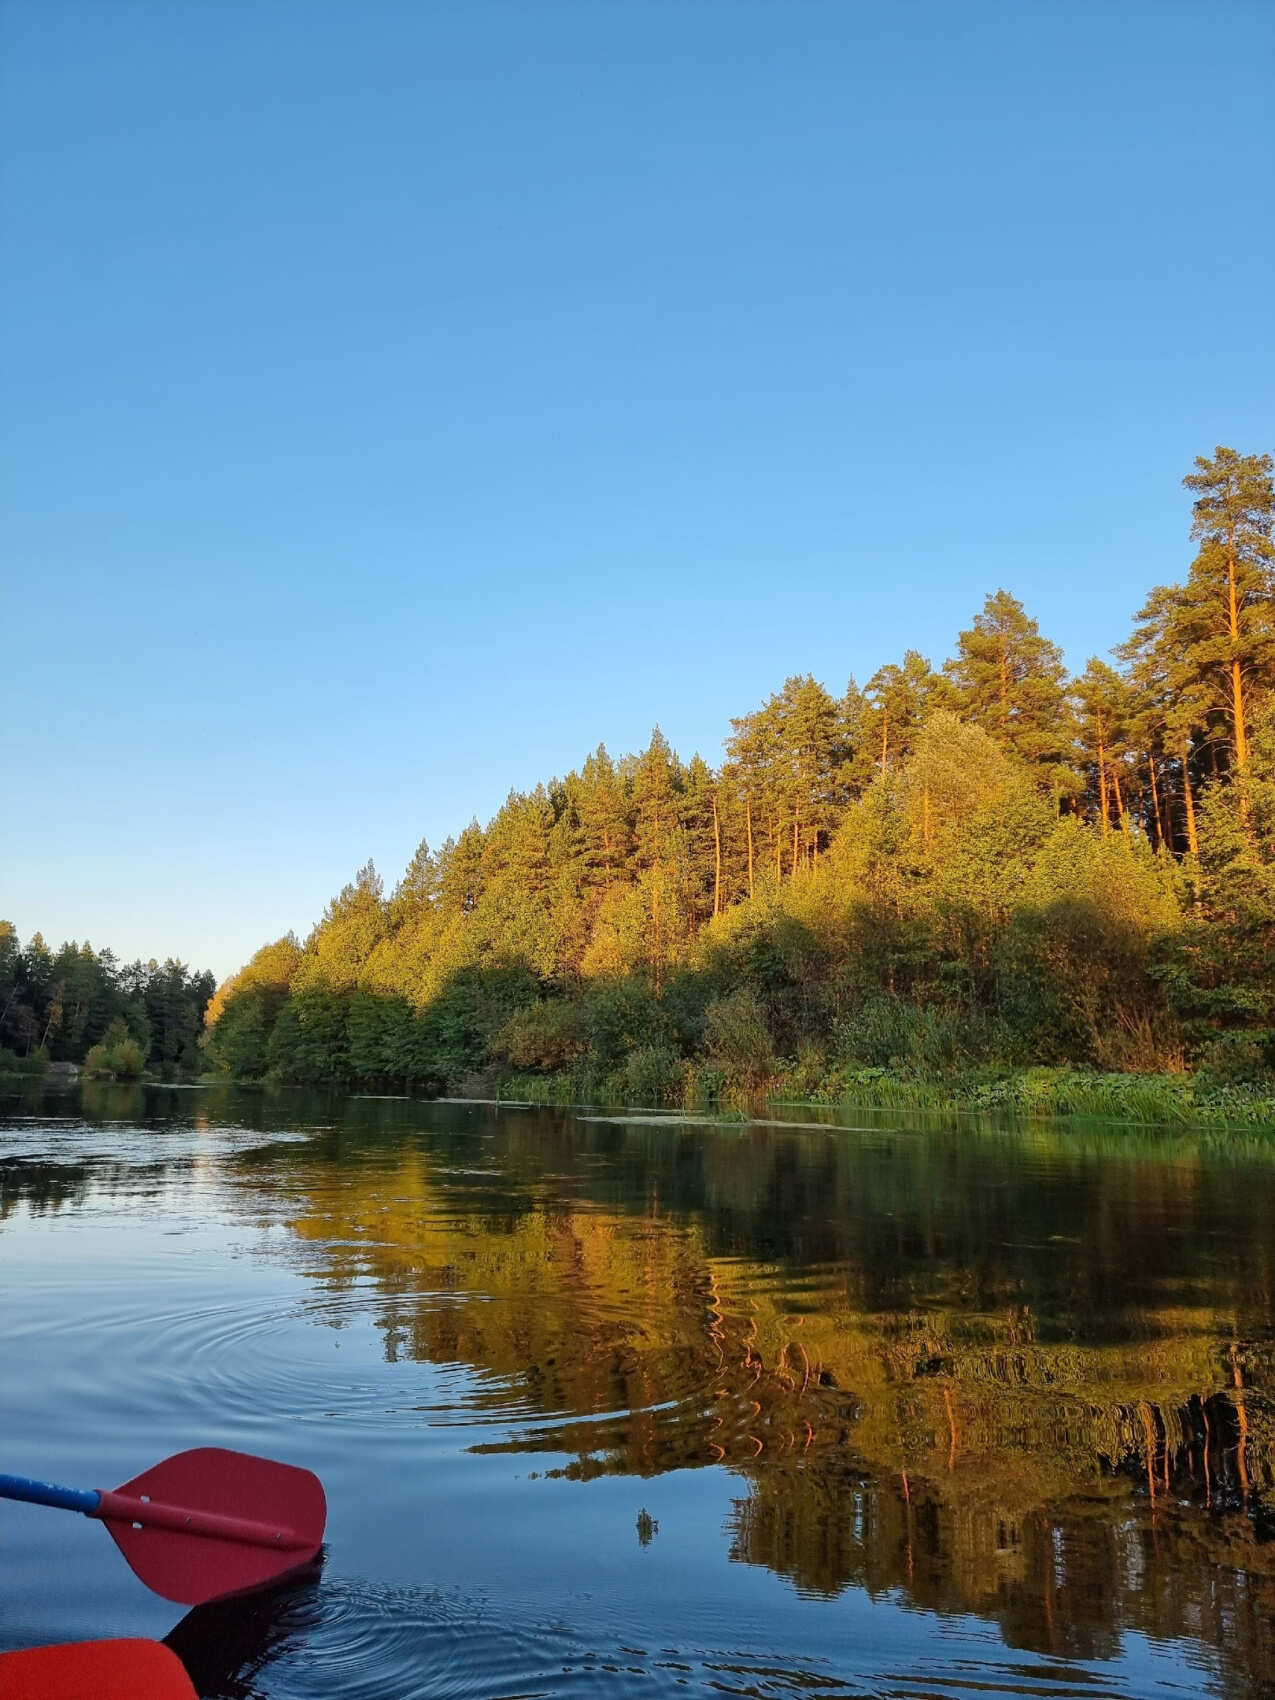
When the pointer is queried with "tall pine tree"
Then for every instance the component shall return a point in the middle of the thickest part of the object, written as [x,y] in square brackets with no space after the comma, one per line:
[1012,683]
[1224,622]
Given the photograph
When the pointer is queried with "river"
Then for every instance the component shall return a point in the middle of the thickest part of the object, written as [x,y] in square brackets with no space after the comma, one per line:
[620,1403]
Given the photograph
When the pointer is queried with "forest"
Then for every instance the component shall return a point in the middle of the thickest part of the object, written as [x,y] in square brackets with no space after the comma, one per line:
[951,872]
[84,1006]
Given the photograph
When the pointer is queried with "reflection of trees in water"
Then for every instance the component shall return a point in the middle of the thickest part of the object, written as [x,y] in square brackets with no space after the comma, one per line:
[43,1187]
[30,1176]
[1065,1578]
[46,1187]
[935,1374]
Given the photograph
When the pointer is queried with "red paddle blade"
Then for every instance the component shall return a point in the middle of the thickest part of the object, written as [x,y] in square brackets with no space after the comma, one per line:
[95,1670]
[210,1522]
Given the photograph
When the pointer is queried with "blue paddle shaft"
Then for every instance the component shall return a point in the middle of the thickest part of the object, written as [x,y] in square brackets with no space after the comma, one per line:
[48,1493]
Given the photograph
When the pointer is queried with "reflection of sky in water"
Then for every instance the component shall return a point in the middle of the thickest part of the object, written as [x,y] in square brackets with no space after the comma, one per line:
[911,1413]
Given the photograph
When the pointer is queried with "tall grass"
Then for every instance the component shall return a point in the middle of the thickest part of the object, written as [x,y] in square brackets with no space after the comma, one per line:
[654,1078]
[1165,1100]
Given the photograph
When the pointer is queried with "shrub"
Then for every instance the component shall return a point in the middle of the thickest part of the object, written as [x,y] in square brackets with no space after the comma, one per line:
[33,1065]
[621,1016]
[889,1032]
[117,1056]
[651,1074]
[126,1060]
[738,1038]
[807,1077]
[545,1036]
[1234,1059]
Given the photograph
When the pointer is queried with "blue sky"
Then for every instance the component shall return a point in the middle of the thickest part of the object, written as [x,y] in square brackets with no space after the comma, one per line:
[400,399]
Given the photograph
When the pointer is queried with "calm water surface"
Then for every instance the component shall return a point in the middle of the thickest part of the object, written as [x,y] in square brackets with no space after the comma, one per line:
[634,1405]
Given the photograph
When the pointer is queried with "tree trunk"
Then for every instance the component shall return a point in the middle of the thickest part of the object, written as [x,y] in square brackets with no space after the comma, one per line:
[1237,680]
[717,860]
[1155,804]
[657,961]
[1102,781]
[1115,780]
[1193,843]
[796,840]
[885,739]
[1237,700]
[748,815]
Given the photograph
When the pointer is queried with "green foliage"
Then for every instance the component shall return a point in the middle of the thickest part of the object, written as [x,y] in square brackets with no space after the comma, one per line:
[1153,1100]
[460,1025]
[902,698]
[652,1074]
[1222,621]
[1105,708]
[890,1032]
[1012,683]
[63,1004]
[243,1035]
[1219,971]
[547,1036]
[117,1056]
[738,1038]
[31,1067]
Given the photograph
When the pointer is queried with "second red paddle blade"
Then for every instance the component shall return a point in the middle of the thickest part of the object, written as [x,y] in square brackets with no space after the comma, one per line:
[193,1568]
[95,1670]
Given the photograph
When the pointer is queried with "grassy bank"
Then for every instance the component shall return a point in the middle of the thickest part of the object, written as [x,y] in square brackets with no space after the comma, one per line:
[33,1066]
[1167,1100]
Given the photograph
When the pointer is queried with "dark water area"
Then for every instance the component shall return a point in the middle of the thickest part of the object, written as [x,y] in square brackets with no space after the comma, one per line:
[635,1405]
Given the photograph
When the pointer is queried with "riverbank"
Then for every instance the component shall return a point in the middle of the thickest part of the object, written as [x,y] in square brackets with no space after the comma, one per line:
[1134,1100]
[1170,1100]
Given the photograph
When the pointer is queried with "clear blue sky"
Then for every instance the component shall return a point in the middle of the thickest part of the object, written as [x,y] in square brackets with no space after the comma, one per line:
[400,399]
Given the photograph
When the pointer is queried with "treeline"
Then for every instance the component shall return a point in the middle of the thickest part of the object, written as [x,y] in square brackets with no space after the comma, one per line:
[83,1006]
[982,863]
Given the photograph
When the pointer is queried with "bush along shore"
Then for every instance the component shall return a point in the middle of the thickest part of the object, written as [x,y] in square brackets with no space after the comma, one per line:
[1149,1100]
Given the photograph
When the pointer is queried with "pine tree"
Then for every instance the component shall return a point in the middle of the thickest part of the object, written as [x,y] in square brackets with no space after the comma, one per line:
[11,975]
[352,926]
[1224,622]
[605,835]
[1103,703]
[810,759]
[745,773]
[1012,683]
[419,887]
[699,815]
[460,871]
[656,782]
[902,696]
[1171,718]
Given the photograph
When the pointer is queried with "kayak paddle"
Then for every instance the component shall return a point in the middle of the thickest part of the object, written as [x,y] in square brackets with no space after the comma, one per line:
[203,1523]
[95,1670]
